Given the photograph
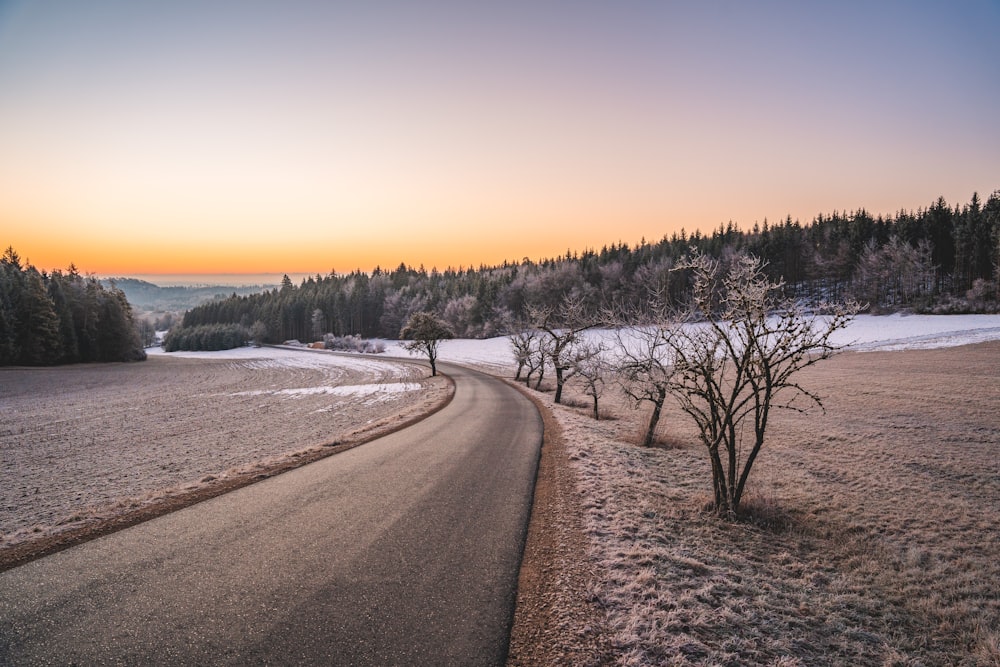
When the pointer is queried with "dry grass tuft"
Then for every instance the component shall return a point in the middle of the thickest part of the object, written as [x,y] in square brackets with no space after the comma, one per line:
[767,512]
[586,409]
[987,650]
[577,402]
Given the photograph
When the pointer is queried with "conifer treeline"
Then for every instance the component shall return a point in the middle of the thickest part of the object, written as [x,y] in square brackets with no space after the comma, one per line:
[939,259]
[61,318]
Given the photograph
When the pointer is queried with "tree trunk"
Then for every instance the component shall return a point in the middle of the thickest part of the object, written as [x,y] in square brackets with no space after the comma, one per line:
[758,443]
[731,471]
[596,415]
[718,482]
[654,419]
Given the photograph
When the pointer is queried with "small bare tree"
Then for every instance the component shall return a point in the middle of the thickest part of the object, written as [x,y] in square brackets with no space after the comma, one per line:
[539,358]
[644,366]
[422,335]
[738,352]
[318,320]
[147,334]
[522,345]
[590,366]
[562,325]
[258,333]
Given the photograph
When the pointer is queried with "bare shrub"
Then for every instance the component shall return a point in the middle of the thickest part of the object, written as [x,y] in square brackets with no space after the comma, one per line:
[644,368]
[589,366]
[529,353]
[741,348]
[351,343]
[523,345]
[562,326]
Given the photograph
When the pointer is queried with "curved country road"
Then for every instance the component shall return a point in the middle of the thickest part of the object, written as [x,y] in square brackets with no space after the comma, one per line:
[404,551]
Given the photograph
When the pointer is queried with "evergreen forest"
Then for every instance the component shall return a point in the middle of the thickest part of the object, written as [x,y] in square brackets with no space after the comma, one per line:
[62,318]
[941,259]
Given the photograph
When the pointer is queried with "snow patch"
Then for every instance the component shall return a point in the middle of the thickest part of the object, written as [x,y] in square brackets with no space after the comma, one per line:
[345,390]
[269,358]
[866,333]
[917,332]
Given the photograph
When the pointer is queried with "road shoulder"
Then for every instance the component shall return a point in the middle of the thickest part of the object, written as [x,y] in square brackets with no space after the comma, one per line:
[555,620]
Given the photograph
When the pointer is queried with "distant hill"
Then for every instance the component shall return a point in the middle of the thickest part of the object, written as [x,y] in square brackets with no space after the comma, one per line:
[146,296]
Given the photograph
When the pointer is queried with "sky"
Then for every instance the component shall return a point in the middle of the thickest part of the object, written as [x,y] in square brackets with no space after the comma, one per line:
[308,137]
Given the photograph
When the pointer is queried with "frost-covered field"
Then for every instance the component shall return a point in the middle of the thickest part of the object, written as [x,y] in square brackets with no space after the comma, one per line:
[84,444]
[878,538]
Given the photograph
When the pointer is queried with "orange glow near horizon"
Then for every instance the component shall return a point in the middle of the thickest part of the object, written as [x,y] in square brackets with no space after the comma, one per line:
[309,251]
[272,141]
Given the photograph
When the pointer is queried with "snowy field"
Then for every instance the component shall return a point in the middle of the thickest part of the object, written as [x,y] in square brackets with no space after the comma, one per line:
[332,369]
[330,365]
[867,333]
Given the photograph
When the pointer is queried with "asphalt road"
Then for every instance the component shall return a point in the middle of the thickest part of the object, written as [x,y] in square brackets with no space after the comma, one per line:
[404,551]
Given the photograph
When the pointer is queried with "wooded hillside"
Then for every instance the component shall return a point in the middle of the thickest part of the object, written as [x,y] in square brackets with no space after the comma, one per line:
[938,259]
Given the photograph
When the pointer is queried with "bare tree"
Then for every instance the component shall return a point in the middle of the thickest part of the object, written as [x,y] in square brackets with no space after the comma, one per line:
[258,333]
[458,313]
[894,274]
[146,331]
[644,365]
[590,366]
[536,363]
[422,334]
[318,320]
[522,346]
[562,325]
[739,351]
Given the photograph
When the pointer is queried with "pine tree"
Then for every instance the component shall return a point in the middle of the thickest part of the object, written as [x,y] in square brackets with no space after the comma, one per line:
[11,281]
[38,336]
[67,330]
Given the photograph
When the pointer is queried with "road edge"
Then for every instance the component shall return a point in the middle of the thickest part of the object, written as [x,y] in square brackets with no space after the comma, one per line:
[555,620]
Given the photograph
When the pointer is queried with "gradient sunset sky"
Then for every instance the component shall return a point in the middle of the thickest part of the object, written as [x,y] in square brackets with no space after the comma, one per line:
[268,137]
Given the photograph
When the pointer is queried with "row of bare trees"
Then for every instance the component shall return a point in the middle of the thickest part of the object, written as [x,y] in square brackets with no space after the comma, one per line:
[728,357]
